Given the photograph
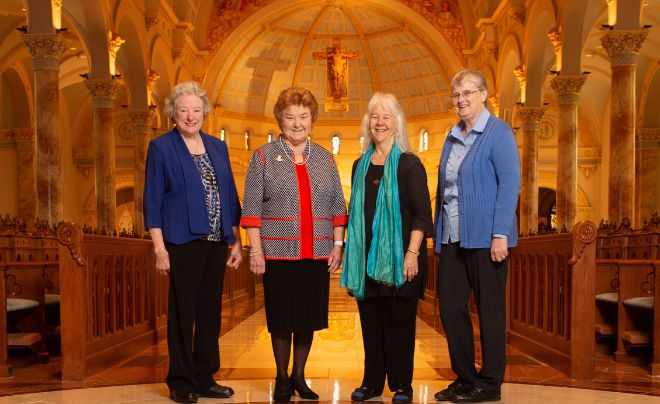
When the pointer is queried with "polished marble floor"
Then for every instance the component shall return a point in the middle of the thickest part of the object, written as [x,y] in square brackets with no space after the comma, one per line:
[334,368]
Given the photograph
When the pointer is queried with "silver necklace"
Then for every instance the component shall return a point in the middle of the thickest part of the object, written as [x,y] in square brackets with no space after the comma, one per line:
[309,152]
[195,146]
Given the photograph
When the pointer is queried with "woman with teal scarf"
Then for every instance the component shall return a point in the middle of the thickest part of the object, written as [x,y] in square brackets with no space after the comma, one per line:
[385,258]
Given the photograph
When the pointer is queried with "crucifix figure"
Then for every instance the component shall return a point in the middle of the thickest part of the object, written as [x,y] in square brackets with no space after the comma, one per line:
[337,72]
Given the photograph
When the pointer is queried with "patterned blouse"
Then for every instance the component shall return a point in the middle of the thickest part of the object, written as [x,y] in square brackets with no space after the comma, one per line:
[207,173]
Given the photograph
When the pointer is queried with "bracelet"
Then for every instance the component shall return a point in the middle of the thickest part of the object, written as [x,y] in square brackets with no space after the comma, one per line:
[255,251]
[413,251]
[339,243]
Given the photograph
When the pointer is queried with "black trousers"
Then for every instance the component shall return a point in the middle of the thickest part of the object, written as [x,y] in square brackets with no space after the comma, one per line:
[197,272]
[388,334]
[460,270]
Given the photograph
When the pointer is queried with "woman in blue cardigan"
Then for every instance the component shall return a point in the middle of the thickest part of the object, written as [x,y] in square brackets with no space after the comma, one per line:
[478,186]
[192,212]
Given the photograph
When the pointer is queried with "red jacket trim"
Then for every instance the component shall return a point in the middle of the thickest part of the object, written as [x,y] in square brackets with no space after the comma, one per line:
[250,221]
[340,221]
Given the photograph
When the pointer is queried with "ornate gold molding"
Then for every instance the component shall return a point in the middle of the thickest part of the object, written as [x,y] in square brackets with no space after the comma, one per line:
[141,121]
[103,91]
[568,87]
[623,46]
[531,117]
[46,50]
[556,38]
[648,138]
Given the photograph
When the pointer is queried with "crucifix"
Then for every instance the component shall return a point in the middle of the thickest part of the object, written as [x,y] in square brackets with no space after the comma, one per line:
[337,74]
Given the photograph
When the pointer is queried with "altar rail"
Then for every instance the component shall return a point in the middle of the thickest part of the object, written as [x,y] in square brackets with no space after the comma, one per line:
[550,294]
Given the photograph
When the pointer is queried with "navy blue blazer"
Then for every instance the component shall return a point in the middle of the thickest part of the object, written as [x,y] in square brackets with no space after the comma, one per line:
[174,197]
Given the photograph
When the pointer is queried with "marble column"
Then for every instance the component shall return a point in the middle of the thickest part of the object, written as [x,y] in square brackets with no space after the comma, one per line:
[103,95]
[46,51]
[568,89]
[26,161]
[529,193]
[647,174]
[622,47]
[142,132]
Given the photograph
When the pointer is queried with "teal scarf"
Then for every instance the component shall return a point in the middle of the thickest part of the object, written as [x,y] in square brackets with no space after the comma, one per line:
[385,257]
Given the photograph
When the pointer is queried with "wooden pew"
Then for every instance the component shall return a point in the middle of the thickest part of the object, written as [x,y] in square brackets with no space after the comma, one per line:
[607,299]
[26,259]
[113,303]
[551,311]
[636,323]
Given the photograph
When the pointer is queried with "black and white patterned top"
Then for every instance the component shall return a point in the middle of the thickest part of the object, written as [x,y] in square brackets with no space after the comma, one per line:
[210,183]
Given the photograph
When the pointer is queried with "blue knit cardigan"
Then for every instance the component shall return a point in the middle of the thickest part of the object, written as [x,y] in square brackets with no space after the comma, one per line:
[488,183]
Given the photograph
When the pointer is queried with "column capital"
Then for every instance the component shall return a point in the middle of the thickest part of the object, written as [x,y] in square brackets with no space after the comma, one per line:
[623,45]
[531,116]
[568,87]
[46,50]
[648,138]
[103,91]
[141,120]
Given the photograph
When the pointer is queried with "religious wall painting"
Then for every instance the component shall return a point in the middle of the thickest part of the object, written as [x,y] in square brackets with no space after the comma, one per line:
[226,15]
[445,15]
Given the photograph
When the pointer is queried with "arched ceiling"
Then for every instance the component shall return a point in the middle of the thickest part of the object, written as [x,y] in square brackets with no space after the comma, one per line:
[274,49]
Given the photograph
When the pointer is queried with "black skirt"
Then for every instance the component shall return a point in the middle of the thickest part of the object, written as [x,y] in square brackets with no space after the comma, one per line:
[296,295]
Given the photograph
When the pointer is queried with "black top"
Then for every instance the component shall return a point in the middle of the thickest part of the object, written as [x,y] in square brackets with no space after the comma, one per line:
[415,206]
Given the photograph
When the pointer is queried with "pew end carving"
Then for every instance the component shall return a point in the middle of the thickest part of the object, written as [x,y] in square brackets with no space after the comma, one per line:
[550,292]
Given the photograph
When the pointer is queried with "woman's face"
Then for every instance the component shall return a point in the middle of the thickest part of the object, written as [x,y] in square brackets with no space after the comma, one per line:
[296,123]
[382,124]
[189,114]
[468,100]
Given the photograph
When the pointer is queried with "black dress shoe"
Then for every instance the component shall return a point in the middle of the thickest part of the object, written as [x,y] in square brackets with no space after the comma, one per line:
[476,395]
[216,391]
[282,392]
[364,393]
[403,395]
[302,388]
[183,396]
[455,387]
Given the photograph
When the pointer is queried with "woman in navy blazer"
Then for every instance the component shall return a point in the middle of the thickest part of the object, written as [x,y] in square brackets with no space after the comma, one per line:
[192,212]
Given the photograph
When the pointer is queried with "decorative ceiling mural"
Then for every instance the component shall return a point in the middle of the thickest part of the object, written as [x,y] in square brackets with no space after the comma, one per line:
[445,15]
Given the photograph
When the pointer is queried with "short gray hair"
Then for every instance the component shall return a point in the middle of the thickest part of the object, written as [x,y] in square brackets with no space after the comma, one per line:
[389,102]
[185,88]
[475,76]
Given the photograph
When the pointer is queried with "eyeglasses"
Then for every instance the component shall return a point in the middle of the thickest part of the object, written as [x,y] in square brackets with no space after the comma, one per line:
[466,94]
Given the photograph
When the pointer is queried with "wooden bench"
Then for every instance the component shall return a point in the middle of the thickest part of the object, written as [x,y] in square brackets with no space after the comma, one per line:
[551,289]
[607,299]
[636,310]
[22,310]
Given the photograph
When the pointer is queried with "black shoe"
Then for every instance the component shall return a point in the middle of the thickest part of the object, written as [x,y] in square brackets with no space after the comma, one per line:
[183,396]
[363,394]
[476,395]
[455,387]
[303,390]
[402,395]
[281,393]
[216,391]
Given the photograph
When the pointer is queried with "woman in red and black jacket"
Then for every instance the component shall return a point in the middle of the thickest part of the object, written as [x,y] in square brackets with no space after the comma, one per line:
[294,214]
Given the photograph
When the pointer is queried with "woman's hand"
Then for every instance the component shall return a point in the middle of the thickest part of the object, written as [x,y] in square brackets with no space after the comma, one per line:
[257,264]
[235,257]
[162,261]
[498,249]
[410,268]
[334,260]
